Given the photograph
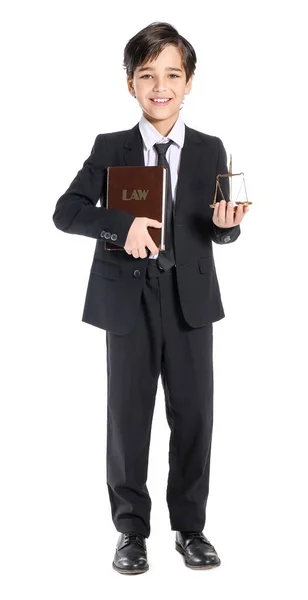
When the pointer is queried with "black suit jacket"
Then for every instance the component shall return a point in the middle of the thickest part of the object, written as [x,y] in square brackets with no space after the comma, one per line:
[117,278]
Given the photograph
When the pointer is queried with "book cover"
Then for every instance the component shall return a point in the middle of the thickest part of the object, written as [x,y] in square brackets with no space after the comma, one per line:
[140,191]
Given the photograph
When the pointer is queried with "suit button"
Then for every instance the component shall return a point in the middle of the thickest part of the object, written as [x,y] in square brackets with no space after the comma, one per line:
[102,233]
[107,235]
[114,237]
[137,273]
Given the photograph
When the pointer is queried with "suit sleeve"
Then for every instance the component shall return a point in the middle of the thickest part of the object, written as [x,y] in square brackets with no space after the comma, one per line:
[76,210]
[223,235]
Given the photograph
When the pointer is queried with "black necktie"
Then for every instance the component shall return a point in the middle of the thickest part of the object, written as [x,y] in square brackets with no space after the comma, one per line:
[166,258]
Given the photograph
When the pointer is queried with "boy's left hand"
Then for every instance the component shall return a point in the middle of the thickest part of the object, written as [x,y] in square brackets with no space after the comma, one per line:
[224,214]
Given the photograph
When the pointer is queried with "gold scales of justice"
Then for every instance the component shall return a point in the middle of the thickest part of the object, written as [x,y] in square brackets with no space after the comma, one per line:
[242,186]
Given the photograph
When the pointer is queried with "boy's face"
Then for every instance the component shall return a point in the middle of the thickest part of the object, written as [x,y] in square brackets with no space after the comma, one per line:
[163,78]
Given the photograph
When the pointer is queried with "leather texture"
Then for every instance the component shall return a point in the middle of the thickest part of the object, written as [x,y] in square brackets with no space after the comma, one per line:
[143,186]
[131,554]
[197,550]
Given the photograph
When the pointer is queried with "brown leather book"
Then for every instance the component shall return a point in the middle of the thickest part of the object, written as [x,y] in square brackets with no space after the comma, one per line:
[142,192]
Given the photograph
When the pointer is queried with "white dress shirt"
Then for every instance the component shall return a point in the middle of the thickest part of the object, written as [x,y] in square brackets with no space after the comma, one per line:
[151,136]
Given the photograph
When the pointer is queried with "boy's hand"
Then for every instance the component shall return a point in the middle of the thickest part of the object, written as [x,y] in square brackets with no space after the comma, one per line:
[225,216]
[138,237]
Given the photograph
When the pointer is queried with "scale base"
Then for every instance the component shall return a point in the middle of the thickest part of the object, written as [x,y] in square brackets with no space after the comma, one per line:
[234,208]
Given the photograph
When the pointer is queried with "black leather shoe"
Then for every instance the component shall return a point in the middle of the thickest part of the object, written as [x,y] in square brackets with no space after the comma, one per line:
[131,554]
[198,552]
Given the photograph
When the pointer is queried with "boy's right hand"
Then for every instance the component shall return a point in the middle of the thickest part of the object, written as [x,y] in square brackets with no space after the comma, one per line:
[138,237]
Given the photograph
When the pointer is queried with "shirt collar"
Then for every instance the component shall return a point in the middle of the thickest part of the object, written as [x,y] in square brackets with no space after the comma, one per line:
[151,136]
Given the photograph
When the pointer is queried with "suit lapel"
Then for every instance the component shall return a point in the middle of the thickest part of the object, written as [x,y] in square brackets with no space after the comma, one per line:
[190,169]
[133,148]
[190,162]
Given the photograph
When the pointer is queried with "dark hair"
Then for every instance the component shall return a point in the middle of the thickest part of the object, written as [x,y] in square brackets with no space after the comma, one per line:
[150,41]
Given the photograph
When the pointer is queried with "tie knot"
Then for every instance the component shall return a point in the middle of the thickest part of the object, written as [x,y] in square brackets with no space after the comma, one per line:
[162,148]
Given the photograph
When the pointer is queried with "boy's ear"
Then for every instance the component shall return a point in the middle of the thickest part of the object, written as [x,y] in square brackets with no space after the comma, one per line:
[189,84]
[130,85]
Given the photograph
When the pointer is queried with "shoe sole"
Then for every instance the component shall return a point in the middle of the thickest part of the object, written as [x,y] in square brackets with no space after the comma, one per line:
[129,571]
[181,551]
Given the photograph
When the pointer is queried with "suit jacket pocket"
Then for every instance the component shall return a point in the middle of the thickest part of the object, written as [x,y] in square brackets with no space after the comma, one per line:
[205,264]
[106,269]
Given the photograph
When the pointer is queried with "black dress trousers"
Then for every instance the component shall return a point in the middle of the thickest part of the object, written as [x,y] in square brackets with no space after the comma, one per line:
[161,343]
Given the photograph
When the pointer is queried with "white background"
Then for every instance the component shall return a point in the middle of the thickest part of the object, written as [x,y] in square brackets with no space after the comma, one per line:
[63,83]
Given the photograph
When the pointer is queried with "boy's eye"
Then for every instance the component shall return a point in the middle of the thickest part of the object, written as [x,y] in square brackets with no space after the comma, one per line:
[148,75]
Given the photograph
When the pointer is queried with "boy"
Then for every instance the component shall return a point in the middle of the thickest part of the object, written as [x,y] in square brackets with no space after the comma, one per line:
[157,308]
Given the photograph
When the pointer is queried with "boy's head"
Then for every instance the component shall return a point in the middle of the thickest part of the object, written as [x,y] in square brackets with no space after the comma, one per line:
[159,63]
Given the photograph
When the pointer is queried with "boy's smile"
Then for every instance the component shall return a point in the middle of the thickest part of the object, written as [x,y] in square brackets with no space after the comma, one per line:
[159,87]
